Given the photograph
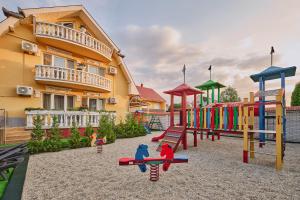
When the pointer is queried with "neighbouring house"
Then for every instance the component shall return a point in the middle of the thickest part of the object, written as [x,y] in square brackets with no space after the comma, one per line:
[59,61]
[148,100]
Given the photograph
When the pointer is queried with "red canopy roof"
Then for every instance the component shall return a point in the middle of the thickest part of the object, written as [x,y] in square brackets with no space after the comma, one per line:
[179,90]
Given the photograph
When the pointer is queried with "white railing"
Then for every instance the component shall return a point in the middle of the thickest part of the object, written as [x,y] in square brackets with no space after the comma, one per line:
[52,73]
[72,35]
[65,118]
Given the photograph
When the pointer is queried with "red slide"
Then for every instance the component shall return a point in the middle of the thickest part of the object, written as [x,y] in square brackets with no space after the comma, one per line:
[172,136]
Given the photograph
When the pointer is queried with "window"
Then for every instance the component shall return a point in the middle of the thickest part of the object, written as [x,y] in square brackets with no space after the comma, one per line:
[47,59]
[70,64]
[97,70]
[93,104]
[59,102]
[59,61]
[46,101]
[101,104]
[70,102]
[67,24]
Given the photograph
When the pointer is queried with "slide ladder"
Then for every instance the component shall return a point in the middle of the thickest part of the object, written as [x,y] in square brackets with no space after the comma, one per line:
[172,136]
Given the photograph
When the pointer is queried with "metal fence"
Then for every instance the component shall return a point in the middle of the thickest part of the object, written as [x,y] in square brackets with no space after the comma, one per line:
[2,125]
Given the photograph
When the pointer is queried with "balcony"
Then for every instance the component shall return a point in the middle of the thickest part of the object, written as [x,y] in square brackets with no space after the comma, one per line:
[72,78]
[65,118]
[72,40]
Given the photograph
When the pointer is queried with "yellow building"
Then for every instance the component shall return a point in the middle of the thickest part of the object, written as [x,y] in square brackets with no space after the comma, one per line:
[150,100]
[59,61]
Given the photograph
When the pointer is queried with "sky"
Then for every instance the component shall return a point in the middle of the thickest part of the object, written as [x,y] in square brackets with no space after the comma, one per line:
[234,36]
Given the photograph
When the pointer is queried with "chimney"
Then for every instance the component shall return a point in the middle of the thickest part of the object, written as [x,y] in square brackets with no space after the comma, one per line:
[142,85]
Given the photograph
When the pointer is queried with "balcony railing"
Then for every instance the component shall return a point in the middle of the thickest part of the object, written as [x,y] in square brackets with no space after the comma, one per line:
[65,118]
[46,29]
[67,75]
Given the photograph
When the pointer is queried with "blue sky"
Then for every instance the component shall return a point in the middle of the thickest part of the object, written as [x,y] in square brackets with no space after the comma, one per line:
[234,36]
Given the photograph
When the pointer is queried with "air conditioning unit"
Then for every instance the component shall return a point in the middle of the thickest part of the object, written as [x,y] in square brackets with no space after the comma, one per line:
[112,70]
[29,47]
[24,90]
[112,100]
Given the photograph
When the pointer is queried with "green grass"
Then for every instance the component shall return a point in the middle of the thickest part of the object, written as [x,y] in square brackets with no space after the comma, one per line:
[3,183]
[7,145]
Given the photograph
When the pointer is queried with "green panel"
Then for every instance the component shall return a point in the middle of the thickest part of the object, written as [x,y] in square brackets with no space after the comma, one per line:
[235,118]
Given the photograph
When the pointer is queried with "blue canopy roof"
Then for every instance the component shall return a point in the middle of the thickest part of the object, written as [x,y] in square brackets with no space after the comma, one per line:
[274,72]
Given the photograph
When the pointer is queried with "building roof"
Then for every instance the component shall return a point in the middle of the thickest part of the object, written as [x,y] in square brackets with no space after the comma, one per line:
[209,84]
[178,91]
[274,72]
[149,94]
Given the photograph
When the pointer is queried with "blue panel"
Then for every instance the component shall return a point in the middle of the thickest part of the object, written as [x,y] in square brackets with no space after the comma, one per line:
[208,118]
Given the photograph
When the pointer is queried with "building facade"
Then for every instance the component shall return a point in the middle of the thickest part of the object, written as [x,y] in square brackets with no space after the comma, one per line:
[59,61]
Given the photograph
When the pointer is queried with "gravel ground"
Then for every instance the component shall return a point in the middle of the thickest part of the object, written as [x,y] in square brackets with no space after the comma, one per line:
[215,171]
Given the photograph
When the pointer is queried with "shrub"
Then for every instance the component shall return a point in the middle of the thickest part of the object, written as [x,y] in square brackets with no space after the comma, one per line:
[131,128]
[75,137]
[296,96]
[52,143]
[88,133]
[37,132]
[105,129]
[35,146]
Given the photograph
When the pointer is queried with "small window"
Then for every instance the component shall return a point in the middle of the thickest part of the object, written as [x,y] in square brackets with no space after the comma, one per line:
[47,101]
[67,24]
[101,104]
[93,104]
[70,64]
[70,102]
[47,59]
[59,102]
[97,70]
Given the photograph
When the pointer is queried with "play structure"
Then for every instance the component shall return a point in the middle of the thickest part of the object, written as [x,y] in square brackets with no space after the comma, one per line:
[150,120]
[98,142]
[167,157]
[214,117]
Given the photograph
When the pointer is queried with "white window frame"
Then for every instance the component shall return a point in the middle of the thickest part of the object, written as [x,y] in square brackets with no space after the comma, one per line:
[65,60]
[88,69]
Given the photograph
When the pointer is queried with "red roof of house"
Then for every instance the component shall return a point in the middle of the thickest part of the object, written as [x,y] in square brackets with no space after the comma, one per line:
[149,94]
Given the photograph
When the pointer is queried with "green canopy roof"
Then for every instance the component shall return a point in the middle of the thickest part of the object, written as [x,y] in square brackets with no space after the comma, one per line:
[209,84]
[274,73]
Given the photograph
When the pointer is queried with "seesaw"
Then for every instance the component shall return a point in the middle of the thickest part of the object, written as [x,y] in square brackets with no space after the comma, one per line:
[142,151]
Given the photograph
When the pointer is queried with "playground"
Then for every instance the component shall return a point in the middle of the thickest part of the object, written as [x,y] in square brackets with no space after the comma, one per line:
[215,170]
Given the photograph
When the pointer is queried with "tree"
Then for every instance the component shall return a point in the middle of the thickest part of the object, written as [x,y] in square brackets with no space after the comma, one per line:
[37,132]
[230,95]
[54,133]
[296,95]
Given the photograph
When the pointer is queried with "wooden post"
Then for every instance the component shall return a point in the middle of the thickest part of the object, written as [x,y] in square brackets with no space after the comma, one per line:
[240,117]
[251,121]
[245,123]
[279,128]
[195,120]
[184,124]
[172,111]
[204,117]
